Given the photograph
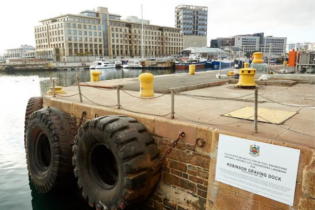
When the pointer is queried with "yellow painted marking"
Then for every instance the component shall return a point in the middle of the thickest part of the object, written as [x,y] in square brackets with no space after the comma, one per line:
[264,115]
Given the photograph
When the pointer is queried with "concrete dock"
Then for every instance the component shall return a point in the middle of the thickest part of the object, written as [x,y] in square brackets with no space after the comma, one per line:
[200,103]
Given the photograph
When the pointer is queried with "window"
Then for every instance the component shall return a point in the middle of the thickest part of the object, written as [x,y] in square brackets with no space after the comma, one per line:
[95,33]
[94,27]
[99,34]
[85,33]
[74,32]
[84,26]
[90,33]
[79,25]
[69,38]
[75,38]
[90,27]
[80,32]
[99,27]
[69,31]
[74,25]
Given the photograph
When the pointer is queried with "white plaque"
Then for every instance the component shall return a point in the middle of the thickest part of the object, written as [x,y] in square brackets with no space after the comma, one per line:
[264,169]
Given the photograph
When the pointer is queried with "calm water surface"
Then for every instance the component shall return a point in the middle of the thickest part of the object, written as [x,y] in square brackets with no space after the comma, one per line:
[16,192]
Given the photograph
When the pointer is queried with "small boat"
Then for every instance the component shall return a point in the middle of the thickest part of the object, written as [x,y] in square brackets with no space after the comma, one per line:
[132,65]
[118,64]
[101,63]
[224,64]
[185,66]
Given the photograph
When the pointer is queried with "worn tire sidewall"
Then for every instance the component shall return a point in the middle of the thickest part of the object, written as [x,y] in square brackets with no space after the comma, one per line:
[35,128]
[94,138]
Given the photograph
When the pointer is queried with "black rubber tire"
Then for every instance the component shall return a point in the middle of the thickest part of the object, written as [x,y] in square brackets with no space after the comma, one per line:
[33,104]
[113,157]
[50,136]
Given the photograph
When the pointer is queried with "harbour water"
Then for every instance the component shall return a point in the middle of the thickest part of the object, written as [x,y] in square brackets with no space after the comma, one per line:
[15,190]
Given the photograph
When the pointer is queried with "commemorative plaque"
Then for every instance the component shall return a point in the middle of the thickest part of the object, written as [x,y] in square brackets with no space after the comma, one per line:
[264,169]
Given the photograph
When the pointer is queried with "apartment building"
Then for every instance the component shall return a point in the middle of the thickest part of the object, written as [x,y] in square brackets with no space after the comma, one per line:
[192,20]
[100,33]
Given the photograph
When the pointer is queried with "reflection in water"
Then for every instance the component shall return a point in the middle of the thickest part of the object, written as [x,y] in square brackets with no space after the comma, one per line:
[59,200]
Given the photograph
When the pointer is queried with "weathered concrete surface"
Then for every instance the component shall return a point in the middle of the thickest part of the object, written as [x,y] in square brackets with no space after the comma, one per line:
[163,83]
[308,78]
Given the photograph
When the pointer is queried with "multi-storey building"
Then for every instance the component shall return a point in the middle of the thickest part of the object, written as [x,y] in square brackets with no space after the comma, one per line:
[301,46]
[254,42]
[18,53]
[276,46]
[192,20]
[100,33]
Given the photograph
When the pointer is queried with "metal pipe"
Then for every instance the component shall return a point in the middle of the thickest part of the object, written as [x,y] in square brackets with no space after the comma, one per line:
[118,96]
[173,101]
[78,81]
[256,110]
[54,91]
[65,79]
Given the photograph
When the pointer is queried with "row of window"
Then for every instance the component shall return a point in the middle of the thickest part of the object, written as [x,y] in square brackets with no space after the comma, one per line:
[79,26]
[85,33]
[145,42]
[82,20]
[85,39]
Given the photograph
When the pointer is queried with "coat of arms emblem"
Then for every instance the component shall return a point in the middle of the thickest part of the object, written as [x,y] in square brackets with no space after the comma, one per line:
[254,150]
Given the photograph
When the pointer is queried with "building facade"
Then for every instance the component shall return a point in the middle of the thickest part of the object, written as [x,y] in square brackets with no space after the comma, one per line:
[192,20]
[18,53]
[100,33]
[301,46]
[254,42]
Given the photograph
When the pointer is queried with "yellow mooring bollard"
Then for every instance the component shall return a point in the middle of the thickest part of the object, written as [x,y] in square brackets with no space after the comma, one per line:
[192,69]
[258,57]
[146,85]
[95,75]
[246,65]
[58,90]
[247,77]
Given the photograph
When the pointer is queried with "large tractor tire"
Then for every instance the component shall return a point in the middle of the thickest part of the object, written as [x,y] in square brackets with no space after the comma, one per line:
[49,139]
[34,104]
[113,158]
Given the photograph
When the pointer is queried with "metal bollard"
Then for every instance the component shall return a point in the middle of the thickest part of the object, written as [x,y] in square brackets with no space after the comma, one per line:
[78,81]
[54,91]
[173,101]
[256,110]
[118,96]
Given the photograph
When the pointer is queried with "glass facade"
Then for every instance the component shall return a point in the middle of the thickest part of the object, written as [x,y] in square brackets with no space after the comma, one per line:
[105,37]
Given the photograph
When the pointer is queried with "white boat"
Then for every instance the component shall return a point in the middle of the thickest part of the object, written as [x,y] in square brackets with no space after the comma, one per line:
[102,64]
[132,65]
[118,64]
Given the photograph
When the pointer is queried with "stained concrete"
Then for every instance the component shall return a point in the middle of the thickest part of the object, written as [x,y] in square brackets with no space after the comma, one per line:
[195,110]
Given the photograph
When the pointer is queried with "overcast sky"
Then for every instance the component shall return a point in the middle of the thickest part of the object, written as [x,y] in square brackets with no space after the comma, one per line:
[294,19]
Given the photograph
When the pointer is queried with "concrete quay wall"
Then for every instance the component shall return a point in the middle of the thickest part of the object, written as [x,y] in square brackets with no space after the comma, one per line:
[188,173]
